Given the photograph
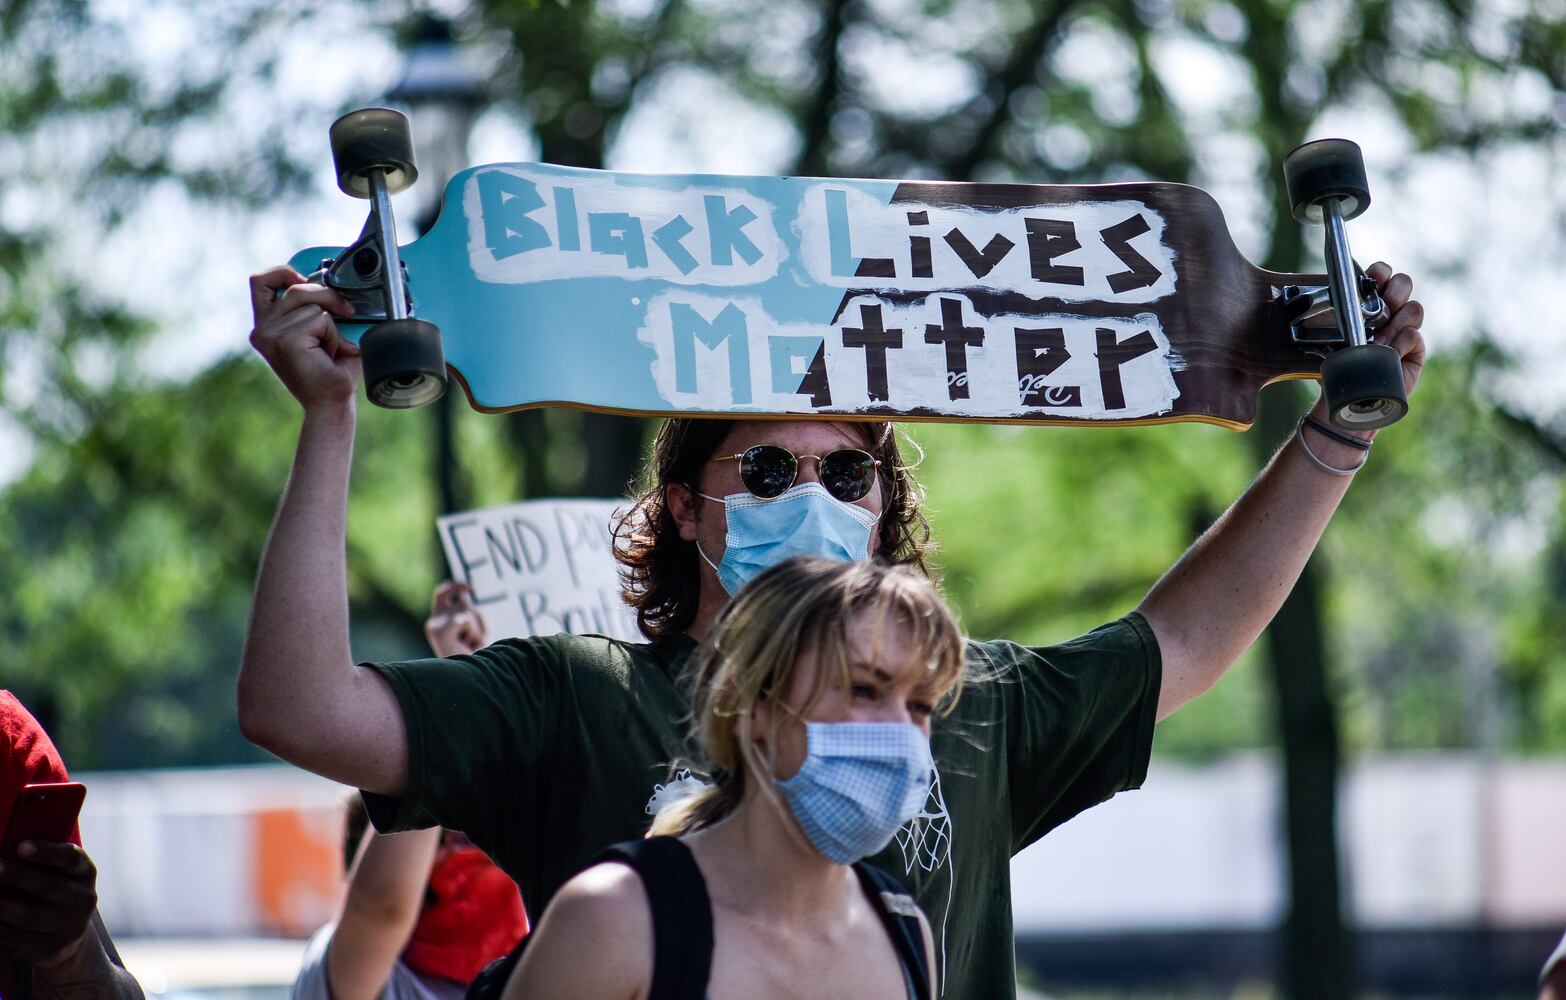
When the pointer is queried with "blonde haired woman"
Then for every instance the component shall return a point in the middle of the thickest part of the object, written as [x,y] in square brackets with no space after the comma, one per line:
[812,703]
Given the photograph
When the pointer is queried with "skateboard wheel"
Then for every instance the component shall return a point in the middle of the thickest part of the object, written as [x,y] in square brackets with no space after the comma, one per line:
[1326,168]
[404,365]
[373,139]
[1364,387]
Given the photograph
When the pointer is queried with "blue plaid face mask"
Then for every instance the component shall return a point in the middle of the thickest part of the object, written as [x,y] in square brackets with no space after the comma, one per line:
[804,520]
[860,782]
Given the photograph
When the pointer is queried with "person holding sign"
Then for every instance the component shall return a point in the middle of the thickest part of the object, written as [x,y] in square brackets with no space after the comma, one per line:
[546,750]
[813,697]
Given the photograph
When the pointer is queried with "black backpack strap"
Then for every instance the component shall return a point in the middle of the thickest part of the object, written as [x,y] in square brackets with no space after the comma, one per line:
[900,915]
[681,914]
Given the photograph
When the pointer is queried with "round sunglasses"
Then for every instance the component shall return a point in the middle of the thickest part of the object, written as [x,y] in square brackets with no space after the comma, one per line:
[768,469]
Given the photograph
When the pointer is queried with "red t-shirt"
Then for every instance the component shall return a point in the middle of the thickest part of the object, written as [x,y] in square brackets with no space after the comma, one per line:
[27,757]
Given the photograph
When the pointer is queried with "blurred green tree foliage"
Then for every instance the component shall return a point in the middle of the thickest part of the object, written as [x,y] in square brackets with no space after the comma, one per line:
[1025,103]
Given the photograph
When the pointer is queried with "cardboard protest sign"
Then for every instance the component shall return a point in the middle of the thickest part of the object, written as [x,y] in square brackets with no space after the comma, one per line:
[540,567]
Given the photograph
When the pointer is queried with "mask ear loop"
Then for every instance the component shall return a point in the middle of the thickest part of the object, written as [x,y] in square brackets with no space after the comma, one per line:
[691,488]
[767,780]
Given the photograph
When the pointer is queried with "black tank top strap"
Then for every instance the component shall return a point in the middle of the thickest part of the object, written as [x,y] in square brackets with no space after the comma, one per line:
[682,918]
[681,914]
[900,915]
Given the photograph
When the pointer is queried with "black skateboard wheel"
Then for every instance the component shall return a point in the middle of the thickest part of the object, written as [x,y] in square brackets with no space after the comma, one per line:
[1364,387]
[373,139]
[1326,168]
[404,365]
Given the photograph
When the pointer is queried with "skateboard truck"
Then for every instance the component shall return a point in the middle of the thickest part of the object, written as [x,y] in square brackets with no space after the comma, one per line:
[404,365]
[358,275]
[1312,321]
[1362,381]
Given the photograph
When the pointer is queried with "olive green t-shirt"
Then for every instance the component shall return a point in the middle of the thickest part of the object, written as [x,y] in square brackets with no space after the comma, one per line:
[544,751]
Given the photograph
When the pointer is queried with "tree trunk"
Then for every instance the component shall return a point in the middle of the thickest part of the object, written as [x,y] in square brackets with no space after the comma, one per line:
[815,120]
[1315,953]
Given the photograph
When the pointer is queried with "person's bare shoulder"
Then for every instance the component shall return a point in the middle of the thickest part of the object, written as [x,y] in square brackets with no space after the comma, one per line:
[595,939]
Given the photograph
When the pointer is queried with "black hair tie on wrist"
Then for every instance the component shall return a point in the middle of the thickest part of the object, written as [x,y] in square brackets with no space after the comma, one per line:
[1335,434]
[1299,436]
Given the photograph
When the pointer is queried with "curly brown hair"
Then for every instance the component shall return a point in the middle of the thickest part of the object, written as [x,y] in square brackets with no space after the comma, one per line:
[660,571]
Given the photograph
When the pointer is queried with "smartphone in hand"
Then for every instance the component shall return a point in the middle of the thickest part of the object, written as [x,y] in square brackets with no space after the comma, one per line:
[45,813]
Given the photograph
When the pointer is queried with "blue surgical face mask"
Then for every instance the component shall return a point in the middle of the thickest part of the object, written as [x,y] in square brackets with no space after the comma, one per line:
[804,520]
[860,782]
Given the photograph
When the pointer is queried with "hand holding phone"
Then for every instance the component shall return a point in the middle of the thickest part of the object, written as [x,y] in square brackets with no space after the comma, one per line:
[43,813]
[49,893]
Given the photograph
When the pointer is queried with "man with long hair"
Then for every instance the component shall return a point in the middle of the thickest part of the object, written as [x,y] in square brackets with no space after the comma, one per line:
[545,750]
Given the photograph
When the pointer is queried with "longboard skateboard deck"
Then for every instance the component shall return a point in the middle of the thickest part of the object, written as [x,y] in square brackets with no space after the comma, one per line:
[787,296]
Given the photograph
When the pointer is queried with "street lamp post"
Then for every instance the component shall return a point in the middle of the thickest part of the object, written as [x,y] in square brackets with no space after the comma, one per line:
[443,95]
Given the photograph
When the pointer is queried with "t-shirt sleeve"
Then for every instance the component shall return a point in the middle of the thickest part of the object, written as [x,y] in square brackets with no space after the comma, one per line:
[474,724]
[27,757]
[1079,719]
[311,983]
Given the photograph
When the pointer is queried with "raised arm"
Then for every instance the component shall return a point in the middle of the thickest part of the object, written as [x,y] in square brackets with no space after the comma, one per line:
[385,893]
[1224,591]
[300,694]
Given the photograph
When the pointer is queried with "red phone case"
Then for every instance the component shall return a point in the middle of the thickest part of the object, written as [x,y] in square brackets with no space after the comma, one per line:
[45,813]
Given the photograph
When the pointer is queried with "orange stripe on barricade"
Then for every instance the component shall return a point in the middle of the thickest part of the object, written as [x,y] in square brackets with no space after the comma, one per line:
[298,868]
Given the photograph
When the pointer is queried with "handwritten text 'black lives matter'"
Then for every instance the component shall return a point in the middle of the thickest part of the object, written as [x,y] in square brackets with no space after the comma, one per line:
[769,232]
